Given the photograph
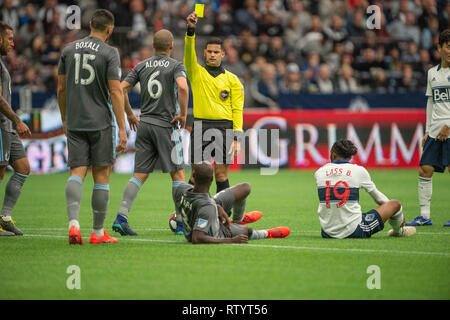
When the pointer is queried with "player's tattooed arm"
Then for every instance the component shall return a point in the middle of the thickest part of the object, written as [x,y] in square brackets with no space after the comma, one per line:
[5,108]
[133,121]
[117,100]
[62,99]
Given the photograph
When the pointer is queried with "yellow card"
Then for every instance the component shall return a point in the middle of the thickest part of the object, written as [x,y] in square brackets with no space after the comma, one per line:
[199,8]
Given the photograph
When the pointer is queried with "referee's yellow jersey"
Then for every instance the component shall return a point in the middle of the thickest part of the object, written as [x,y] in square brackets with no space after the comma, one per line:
[214,98]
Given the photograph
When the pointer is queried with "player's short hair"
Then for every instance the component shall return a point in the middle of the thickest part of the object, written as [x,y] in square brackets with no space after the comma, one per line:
[162,40]
[101,19]
[344,148]
[3,27]
[203,173]
[214,40]
[444,37]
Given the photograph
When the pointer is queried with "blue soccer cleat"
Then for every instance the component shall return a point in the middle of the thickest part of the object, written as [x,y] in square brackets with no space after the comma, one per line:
[121,225]
[447,224]
[179,229]
[419,221]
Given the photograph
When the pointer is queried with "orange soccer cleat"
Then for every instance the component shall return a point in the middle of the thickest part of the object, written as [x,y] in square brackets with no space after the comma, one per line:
[106,238]
[75,236]
[251,217]
[278,232]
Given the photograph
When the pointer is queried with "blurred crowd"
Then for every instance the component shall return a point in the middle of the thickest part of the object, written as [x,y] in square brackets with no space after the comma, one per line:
[274,46]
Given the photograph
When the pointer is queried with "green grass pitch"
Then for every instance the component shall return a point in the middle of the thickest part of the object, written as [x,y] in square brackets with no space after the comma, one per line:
[159,265]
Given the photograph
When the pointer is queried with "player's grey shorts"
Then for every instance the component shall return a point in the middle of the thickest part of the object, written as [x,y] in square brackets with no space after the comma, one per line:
[91,148]
[225,199]
[11,148]
[155,142]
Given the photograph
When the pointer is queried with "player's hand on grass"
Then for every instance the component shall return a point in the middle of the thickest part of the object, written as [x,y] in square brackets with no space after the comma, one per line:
[223,216]
[242,238]
[443,134]
[122,146]
[181,119]
[133,121]
[23,130]
[425,137]
[192,20]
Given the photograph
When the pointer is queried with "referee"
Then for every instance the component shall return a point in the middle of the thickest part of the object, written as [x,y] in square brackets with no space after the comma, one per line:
[218,98]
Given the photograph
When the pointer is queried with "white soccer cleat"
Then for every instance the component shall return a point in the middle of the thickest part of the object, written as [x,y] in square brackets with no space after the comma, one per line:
[404,232]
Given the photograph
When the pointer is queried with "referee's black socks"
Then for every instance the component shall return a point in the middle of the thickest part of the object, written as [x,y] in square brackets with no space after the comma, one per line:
[222,185]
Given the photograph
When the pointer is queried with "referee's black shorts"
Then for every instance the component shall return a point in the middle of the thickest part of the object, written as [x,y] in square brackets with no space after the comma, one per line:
[211,139]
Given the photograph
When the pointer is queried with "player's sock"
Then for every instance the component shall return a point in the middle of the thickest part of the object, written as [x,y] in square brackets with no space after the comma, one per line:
[73,197]
[12,192]
[175,184]
[74,223]
[259,234]
[129,194]
[396,220]
[100,198]
[425,189]
[238,210]
[222,185]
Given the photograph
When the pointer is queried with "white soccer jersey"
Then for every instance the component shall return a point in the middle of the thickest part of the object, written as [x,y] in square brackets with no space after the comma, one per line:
[338,185]
[438,88]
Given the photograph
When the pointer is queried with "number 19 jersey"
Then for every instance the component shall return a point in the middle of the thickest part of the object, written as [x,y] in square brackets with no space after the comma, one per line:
[338,185]
[88,65]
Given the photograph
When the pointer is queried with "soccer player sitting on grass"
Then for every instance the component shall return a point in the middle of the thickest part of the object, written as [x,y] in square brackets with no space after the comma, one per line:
[340,215]
[204,217]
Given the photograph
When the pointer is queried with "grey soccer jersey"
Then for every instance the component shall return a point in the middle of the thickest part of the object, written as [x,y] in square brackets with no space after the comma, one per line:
[157,75]
[199,211]
[5,81]
[88,65]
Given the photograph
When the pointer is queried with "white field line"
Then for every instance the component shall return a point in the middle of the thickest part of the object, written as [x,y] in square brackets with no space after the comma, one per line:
[167,229]
[446,254]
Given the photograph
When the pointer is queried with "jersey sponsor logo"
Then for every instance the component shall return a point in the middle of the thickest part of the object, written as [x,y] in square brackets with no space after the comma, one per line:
[224,94]
[202,223]
[441,94]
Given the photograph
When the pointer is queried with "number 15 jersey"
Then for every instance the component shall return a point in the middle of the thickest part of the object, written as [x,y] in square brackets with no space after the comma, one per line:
[88,65]
[338,185]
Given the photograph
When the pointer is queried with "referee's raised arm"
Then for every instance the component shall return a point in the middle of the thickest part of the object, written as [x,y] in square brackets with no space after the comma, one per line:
[190,57]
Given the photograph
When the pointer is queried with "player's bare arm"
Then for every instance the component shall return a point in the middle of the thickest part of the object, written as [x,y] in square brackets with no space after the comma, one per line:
[119,111]
[133,121]
[183,99]
[223,216]
[61,93]
[5,108]
[443,134]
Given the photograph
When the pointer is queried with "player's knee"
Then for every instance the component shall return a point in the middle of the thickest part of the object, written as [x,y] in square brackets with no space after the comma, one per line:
[23,168]
[396,205]
[246,189]
[426,171]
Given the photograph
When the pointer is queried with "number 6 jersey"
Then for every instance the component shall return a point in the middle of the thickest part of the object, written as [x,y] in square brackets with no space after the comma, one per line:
[338,185]
[88,65]
[159,95]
